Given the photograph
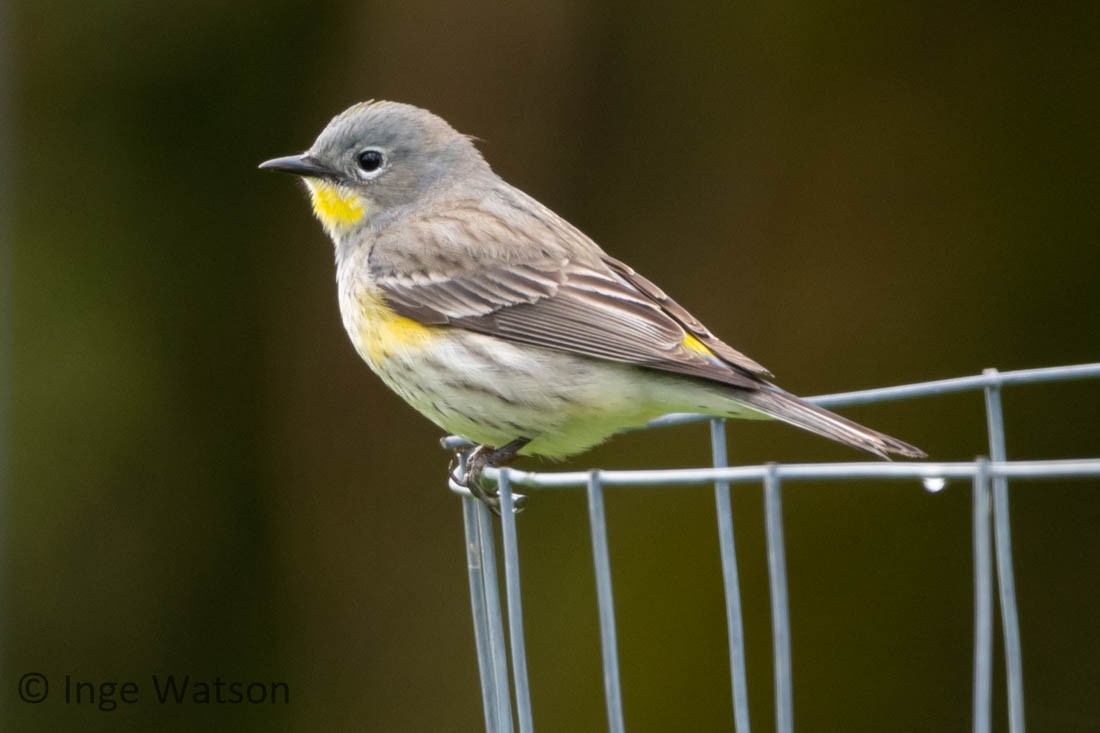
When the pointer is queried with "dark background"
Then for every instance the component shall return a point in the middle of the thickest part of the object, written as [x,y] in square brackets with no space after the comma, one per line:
[205,479]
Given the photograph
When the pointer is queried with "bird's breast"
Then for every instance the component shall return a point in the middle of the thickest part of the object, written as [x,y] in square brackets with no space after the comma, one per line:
[376,330]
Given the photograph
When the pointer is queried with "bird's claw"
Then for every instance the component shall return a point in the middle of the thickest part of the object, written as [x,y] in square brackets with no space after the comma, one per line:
[468,470]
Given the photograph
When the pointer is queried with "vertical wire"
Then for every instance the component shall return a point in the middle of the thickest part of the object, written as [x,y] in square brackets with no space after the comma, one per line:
[497,645]
[1006,581]
[608,637]
[781,623]
[476,570]
[983,602]
[515,604]
[730,580]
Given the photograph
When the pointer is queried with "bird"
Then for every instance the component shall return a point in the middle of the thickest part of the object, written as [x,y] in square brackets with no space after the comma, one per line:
[500,321]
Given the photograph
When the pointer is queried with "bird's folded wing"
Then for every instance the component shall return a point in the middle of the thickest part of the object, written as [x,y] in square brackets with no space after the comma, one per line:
[692,324]
[604,311]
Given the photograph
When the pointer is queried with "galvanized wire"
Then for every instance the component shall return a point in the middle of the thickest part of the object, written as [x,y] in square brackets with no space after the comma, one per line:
[515,606]
[608,635]
[983,602]
[485,606]
[730,581]
[992,547]
[1006,582]
[781,621]
[475,566]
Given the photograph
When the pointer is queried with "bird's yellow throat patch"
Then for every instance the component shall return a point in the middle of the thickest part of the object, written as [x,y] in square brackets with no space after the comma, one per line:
[336,206]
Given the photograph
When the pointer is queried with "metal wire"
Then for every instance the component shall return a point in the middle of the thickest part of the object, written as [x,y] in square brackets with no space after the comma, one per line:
[983,603]
[992,547]
[515,605]
[1002,536]
[488,626]
[475,566]
[781,622]
[728,552]
[1072,468]
[608,635]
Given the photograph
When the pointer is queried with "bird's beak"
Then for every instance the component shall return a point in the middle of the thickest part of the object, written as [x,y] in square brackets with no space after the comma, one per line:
[300,165]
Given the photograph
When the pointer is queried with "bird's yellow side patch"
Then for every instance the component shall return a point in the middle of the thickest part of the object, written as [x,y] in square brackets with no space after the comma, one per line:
[693,344]
[337,207]
[397,332]
[381,331]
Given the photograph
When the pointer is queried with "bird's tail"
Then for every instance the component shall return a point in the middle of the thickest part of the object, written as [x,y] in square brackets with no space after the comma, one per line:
[780,405]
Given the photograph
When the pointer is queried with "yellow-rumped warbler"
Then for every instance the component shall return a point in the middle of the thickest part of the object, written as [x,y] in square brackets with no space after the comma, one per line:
[500,321]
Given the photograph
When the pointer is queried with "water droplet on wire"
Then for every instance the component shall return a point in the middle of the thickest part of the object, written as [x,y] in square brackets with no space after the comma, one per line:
[934,484]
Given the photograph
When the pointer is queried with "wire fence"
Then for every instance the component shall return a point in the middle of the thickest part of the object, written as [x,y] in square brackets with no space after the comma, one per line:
[992,553]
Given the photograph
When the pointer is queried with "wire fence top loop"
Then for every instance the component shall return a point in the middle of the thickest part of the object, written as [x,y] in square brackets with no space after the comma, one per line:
[820,471]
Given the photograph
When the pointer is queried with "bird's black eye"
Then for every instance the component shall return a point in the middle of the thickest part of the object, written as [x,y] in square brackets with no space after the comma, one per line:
[371,160]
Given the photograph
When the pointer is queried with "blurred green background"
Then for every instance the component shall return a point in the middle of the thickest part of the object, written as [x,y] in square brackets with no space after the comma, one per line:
[205,479]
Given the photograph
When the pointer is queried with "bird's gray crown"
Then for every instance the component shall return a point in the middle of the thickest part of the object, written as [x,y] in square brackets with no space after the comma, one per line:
[421,151]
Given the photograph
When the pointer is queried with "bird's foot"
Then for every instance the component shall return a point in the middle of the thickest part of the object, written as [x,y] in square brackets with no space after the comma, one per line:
[482,457]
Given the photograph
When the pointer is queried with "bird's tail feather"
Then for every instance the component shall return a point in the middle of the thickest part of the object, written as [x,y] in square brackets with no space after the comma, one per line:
[780,405]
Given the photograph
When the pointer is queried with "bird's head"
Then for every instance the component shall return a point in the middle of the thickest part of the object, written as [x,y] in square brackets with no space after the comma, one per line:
[377,159]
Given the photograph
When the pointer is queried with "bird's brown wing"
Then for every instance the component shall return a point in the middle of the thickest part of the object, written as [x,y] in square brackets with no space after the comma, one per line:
[552,297]
[692,324]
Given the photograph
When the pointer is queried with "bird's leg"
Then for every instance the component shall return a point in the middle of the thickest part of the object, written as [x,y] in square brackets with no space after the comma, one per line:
[483,457]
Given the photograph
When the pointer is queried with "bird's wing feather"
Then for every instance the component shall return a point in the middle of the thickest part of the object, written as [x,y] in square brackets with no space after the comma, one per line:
[433,299]
[550,295]
[692,324]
